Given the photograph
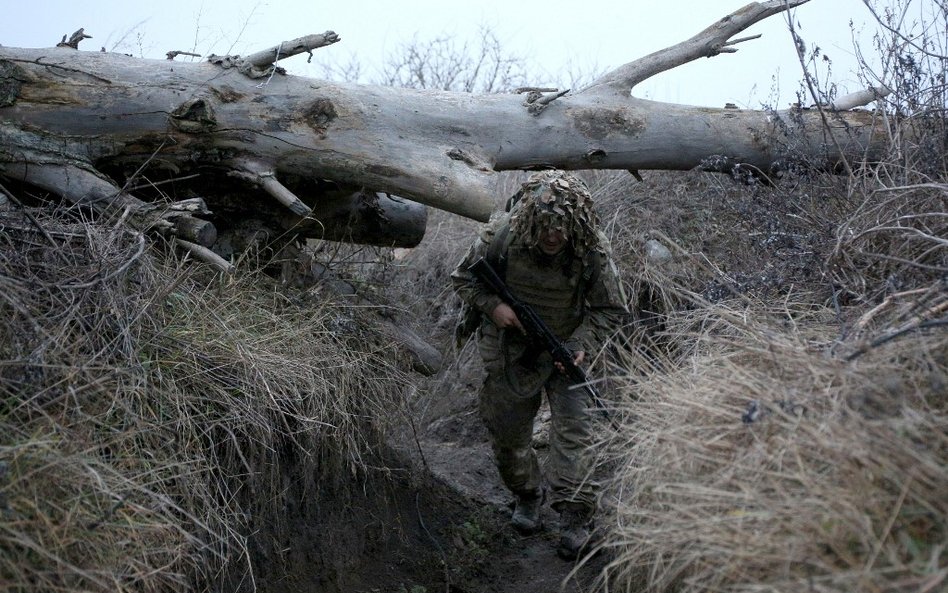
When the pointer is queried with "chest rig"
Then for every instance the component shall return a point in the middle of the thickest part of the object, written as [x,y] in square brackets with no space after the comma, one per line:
[552,286]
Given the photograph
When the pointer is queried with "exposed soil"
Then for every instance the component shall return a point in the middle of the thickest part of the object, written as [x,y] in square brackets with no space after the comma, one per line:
[456,449]
[435,519]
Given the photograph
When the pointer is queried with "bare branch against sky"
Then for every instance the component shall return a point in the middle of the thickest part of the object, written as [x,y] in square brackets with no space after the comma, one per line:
[554,37]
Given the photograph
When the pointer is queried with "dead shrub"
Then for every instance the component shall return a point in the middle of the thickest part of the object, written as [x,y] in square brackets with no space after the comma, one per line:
[151,412]
[794,437]
[756,461]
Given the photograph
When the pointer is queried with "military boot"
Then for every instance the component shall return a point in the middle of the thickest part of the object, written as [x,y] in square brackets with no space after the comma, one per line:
[526,514]
[576,530]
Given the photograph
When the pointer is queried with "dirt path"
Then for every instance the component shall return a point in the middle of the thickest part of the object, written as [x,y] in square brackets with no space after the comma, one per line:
[514,564]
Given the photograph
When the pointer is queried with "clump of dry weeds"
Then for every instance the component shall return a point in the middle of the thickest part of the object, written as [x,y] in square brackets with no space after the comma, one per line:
[786,420]
[151,412]
[794,436]
[758,461]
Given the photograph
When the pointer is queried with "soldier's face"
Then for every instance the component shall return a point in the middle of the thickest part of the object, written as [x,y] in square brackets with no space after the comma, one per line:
[552,241]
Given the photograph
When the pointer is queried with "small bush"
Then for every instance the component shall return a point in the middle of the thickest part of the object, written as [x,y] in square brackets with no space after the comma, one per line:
[151,413]
[758,461]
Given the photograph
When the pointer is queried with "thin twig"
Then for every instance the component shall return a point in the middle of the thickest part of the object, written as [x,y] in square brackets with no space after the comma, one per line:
[32,219]
[808,79]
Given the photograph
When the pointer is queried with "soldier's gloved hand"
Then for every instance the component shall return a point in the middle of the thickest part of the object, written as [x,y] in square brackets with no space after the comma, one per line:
[503,316]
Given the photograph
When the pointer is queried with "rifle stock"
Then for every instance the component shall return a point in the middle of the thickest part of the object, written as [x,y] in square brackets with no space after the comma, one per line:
[539,331]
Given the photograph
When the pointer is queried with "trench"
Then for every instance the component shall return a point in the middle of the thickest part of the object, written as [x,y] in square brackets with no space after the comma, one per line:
[433,517]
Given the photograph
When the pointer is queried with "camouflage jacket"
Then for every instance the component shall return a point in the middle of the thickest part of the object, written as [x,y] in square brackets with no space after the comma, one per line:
[601,302]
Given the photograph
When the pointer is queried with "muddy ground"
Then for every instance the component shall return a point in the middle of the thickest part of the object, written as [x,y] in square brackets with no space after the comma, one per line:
[434,517]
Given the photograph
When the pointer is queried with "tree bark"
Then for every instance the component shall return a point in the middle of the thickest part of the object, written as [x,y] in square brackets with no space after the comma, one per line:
[84,124]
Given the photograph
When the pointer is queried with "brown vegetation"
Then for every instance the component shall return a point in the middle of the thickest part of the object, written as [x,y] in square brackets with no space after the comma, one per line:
[154,416]
[782,384]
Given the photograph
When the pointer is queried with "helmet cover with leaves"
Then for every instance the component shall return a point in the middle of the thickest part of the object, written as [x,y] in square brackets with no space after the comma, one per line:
[555,200]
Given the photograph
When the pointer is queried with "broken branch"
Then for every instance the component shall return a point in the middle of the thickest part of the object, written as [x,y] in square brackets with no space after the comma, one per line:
[173,54]
[710,42]
[264,177]
[206,255]
[288,49]
[74,39]
[859,98]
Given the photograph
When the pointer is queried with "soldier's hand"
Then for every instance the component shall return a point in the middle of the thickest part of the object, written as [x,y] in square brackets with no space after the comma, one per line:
[578,357]
[503,316]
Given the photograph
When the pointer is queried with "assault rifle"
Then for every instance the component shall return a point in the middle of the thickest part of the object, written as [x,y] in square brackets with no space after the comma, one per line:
[538,331]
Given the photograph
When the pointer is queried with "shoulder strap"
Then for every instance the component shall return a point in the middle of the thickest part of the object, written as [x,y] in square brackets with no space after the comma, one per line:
[497,250]
[591,264]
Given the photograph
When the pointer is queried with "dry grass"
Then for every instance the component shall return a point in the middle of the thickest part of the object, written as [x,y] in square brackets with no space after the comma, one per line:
[151,413]
[790,435]
[837,483]
[786,394]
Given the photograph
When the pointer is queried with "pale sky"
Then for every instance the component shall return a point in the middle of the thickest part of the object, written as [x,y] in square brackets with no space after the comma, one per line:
[553,36]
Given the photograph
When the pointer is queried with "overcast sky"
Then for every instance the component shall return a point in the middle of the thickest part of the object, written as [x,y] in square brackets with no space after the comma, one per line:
[553,36]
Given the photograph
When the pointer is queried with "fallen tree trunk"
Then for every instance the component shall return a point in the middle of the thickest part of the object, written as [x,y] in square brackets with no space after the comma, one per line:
[246,138]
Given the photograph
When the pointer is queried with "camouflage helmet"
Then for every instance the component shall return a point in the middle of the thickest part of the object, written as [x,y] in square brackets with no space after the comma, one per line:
[555,200]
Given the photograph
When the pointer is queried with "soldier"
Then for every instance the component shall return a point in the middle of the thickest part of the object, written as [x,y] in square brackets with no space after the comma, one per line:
[553,257]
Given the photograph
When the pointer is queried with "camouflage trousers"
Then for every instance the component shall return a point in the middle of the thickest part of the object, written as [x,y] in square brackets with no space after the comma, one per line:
[509,400]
